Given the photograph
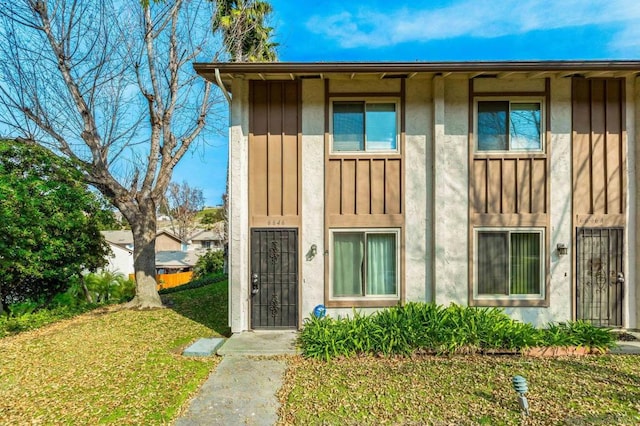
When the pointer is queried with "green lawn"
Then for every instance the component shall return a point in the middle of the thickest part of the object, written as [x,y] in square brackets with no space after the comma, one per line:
[461,390]
[124,367]
[116,366]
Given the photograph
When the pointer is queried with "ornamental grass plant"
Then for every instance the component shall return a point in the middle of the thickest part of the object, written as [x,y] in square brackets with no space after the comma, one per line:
[433,329]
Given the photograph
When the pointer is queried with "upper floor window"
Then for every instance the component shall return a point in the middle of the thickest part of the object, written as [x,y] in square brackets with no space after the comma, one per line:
[509,125]
[363,126]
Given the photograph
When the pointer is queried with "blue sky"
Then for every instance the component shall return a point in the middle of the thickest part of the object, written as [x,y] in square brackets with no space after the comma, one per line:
[433,30]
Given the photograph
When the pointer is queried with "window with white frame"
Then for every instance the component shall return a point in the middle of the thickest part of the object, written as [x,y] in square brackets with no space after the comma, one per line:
[509,263]
[364,264]
[509,125]
[365,126]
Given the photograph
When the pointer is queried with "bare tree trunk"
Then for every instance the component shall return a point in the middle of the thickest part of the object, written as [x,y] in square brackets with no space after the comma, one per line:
[144,258]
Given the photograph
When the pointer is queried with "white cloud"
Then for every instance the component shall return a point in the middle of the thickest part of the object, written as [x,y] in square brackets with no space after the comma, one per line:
[379,28]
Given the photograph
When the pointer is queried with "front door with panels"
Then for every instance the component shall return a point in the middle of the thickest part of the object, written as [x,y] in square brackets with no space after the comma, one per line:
[274,278]
[600,280]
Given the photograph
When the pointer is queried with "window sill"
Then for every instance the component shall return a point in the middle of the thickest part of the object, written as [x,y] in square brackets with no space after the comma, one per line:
[507,303]
[362,303]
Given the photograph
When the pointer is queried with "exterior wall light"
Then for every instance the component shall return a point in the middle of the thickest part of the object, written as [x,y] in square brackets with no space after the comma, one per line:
[520,386]
[313,250]
[562,249]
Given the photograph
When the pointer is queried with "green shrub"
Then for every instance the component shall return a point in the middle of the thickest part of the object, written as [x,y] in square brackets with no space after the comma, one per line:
[26,307]
[425,327]
[36,319]
[109,287]
[212,262]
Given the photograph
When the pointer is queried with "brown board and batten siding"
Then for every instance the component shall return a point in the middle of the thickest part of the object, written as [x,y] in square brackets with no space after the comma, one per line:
[274,154]
[364,190]
[599,199]
[599,152]
[274,189]
[509,189]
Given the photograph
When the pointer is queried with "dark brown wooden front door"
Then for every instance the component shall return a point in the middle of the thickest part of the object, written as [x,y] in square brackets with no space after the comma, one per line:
[274,278]
[600,283]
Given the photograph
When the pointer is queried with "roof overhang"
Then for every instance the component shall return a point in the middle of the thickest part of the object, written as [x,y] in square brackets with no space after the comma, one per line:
[228,71]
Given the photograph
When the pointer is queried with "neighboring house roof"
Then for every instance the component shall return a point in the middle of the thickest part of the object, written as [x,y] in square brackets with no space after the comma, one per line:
[214,234]
[175,259]
[169,234]
[121,238]
[125,237]
[291,70]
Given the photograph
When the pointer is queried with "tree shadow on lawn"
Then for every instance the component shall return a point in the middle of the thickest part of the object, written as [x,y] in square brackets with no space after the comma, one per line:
[206,305]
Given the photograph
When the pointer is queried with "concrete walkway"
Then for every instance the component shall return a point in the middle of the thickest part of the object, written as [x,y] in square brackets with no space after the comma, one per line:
[242,389]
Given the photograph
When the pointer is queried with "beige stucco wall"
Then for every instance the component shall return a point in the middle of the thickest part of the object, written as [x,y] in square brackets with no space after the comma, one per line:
[450,190]
[312,232]
[633,202]
[418,190]
[239,207]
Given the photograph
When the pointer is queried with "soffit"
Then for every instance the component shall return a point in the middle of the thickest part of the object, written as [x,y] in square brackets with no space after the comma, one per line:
[414,70]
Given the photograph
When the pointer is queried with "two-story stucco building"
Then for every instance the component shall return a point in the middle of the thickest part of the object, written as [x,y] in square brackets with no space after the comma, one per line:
[365,185]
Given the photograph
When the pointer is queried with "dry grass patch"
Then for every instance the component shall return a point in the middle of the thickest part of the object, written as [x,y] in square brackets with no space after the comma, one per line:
[117,366]
[461,390]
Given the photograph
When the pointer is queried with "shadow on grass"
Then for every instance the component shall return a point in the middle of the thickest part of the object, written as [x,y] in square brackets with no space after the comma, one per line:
[207,305]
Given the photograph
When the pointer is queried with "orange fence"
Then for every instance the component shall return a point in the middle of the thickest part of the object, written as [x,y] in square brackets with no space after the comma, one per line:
[170,280]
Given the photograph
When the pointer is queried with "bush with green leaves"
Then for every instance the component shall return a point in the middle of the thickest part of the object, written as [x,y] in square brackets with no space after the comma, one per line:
[429,328]
[49,232]
[24,321]
[109,287]
[212,262]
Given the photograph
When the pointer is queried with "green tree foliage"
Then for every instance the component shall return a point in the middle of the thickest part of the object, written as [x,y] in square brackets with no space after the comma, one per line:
[212,262]
[49,230]
[212,216]
[245,34]
[110,287]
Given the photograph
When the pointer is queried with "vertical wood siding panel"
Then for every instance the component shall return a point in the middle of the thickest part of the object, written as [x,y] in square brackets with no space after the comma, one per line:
[274,151]
[613,147]
[581,146]
[598,153]
[363,192]
[290,165]
[258,151]
[509,186]
[494,185]
[538,183]
[479,186]
[377,186]
[524,186]
[348,186]
[393,201]
[333,187]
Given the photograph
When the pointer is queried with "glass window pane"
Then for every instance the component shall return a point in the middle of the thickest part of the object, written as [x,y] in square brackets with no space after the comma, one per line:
[348,126]
[524,127]
[525,263]
[492,125]
[348,264]
[381,264]
[381,127]
[493,263]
